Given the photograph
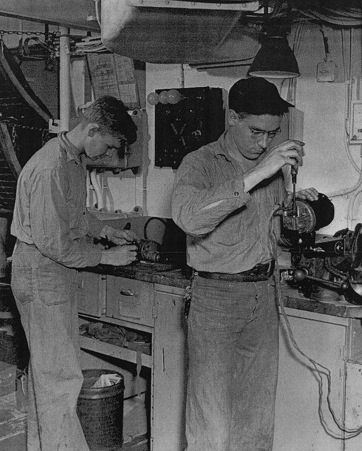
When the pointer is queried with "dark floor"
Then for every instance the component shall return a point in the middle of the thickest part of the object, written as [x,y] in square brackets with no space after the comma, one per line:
[16,443]
[12,429]
[12,424]
[14,351]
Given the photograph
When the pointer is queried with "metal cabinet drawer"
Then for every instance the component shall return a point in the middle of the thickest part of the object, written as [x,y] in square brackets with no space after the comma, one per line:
[130,300]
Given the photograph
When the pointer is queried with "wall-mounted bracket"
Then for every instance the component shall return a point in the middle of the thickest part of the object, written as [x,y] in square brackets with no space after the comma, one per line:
[54,126]
[356,123]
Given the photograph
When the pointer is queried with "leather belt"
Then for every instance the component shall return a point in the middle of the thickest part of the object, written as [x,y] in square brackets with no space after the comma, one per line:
[258,273]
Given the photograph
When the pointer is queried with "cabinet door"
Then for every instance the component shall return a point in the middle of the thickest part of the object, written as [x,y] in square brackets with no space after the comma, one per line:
[91,300]
[298,426]
[354,404]
[167,427]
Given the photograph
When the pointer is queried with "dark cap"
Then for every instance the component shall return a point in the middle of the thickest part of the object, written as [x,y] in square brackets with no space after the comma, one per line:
[257,96]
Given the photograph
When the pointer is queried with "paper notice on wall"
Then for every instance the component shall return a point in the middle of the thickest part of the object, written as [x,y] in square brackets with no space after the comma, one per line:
[113,75]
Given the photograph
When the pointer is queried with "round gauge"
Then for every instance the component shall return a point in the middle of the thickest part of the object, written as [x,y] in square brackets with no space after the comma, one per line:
[304,221]
[311,215]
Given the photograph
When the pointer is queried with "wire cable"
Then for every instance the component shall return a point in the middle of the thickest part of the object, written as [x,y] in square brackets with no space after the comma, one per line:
[318,370]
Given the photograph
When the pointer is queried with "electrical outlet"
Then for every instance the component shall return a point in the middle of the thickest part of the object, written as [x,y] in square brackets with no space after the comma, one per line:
[356,123]
[326,71]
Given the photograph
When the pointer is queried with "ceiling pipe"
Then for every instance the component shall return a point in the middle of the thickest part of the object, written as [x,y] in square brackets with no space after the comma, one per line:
[64,79]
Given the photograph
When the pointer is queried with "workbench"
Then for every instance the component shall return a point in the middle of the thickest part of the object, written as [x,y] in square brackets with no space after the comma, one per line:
[148,300]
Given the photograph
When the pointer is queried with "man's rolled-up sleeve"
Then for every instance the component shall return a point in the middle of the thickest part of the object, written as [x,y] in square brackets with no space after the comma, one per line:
[198,206]
[95,225]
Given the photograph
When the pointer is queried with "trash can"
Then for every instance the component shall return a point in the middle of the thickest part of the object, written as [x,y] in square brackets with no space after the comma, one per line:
[100,411]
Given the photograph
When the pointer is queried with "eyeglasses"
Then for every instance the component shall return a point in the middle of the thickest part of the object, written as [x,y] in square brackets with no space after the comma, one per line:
[258,134]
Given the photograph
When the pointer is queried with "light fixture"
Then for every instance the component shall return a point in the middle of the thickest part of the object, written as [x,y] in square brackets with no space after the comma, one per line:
[275,59]
[172,96]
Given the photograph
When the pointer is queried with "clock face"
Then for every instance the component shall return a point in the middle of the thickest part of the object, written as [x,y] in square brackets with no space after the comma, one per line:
[197,119]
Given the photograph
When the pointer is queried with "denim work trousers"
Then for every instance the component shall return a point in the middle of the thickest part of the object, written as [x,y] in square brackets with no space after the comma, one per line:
[233,353]
[45,294]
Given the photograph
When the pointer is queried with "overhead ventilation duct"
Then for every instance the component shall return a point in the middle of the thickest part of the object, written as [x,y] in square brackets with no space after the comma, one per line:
[76,14]
[175,31]
[180,31]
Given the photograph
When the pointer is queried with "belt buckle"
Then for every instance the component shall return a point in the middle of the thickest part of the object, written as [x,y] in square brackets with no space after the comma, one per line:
[262,269]
[253,271]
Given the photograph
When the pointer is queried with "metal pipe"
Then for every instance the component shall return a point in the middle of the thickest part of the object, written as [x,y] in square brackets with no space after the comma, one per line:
[64,80]
[301,274]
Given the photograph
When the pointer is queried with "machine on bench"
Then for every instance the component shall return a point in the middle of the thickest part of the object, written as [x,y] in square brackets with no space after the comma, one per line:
[317,260]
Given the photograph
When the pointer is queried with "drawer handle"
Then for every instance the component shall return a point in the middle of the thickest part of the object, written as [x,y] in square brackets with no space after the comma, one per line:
[127,292]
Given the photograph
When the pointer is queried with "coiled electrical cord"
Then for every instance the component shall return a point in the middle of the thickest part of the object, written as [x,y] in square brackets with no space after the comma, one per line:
[318,369]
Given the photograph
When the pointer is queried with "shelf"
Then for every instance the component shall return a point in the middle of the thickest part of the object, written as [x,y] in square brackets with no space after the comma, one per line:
[101,347]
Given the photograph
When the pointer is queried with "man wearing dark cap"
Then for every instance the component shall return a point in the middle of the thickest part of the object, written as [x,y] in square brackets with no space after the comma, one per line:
[224,197]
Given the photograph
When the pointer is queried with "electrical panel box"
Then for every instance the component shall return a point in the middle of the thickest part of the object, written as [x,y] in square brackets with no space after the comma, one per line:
[356,123]
[198,118]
